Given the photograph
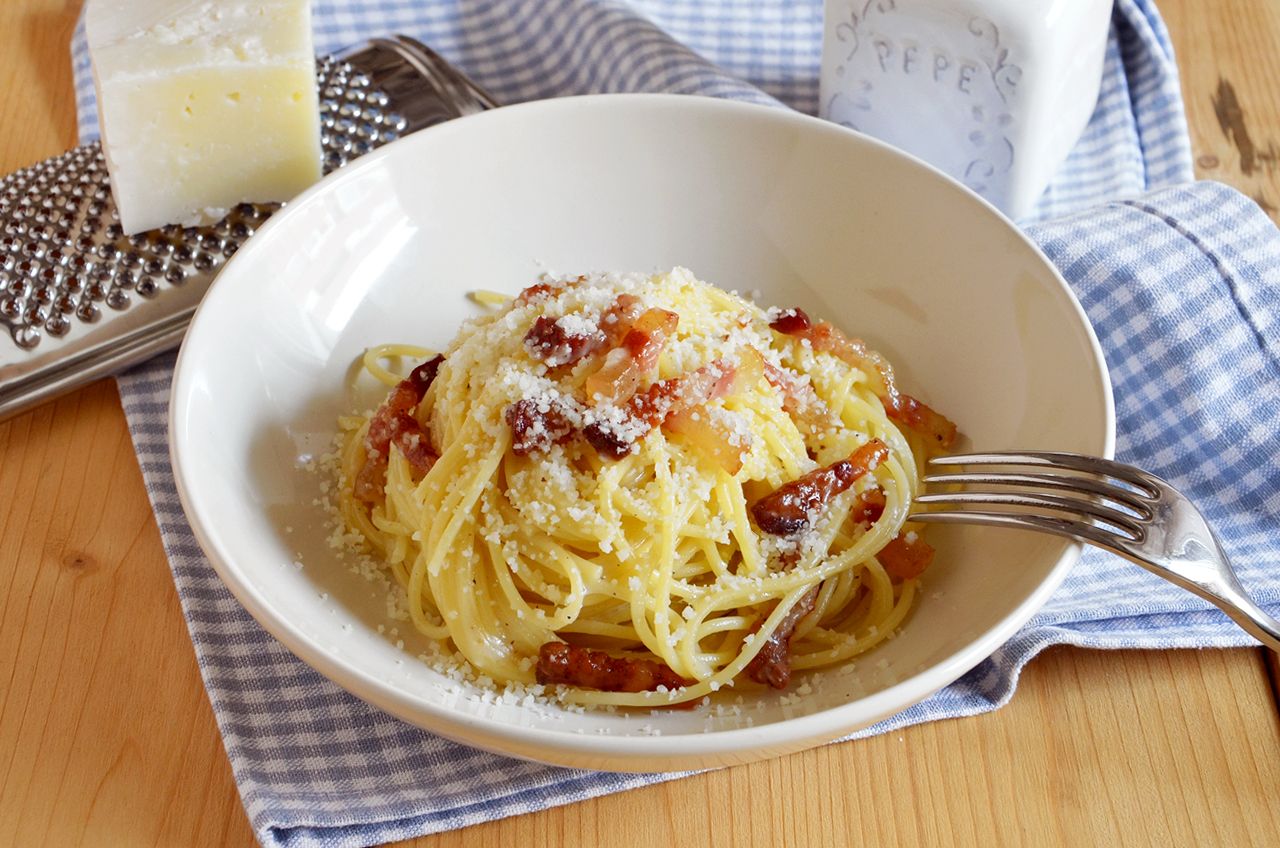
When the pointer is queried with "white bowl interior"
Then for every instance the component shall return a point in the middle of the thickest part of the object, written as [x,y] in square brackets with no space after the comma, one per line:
[975,320]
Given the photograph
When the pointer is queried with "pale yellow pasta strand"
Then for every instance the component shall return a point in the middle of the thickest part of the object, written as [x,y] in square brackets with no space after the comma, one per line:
[690,592]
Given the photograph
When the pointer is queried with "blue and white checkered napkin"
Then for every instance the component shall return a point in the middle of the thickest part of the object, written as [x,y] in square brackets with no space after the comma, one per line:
[1181,283]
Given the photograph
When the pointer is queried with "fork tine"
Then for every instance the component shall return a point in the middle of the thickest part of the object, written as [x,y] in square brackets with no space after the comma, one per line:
[1077,506]
[1149,484]
[1075,530]
[1063,482]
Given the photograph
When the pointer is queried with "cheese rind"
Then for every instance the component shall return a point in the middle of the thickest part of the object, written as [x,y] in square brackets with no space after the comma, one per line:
[204,105]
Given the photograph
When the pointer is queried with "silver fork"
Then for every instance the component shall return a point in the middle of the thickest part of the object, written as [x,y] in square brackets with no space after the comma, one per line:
[1108,504]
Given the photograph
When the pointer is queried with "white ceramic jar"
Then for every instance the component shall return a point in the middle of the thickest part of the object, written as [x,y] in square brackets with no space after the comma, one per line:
[993,92]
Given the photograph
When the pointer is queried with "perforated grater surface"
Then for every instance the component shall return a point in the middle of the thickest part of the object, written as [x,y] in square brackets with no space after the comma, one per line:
[81,300]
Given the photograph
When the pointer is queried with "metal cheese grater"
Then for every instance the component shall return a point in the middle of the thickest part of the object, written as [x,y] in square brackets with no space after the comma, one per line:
[81,300]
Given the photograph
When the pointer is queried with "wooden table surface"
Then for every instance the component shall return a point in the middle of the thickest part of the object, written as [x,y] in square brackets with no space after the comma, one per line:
[107,737]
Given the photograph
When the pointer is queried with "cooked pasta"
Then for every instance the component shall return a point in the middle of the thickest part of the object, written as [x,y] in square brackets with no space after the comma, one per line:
[642,489]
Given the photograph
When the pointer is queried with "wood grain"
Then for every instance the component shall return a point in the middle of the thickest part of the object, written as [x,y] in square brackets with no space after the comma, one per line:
[1229,59]
[1118,749]
[36,97]
[1272,662]
[107,738]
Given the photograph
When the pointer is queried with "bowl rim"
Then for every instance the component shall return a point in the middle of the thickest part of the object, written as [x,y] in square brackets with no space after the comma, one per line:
[632,752]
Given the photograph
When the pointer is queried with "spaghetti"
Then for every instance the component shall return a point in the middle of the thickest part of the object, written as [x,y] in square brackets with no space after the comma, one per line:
[643,489]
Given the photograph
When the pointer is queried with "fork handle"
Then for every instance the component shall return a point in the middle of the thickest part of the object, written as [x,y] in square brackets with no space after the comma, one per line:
[1223,591]
[1252,618]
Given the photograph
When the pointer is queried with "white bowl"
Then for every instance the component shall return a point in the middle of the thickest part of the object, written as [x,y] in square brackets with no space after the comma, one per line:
[975,319]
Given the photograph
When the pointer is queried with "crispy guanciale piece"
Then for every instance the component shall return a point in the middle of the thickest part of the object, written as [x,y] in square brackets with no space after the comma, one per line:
[792,322]
[394,423]
[423,376]
[799,400]
[411,438]
[560,662]
[538,291]
[636,354]
[709,436]
[713,436]
[370,479]
[537,426]
[619,317]
[788,509]
[906,556]
[869,506]
[711,381]
[772,665]
[549,341]
[898,405]
[648,409]
[922,418]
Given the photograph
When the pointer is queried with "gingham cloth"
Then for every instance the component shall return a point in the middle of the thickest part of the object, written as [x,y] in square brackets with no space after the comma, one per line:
[1181,283]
